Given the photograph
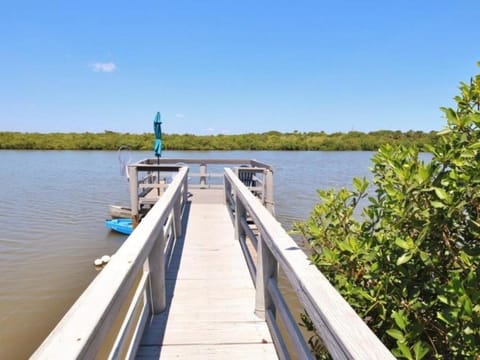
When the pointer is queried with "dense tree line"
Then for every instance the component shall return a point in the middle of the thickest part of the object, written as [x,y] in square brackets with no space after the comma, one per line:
[272,140]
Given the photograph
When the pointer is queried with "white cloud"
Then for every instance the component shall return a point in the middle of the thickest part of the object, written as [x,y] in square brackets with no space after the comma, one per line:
[180,116]
[104,67]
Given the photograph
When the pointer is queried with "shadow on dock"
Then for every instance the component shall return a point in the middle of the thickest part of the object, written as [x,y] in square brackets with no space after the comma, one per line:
[155,330]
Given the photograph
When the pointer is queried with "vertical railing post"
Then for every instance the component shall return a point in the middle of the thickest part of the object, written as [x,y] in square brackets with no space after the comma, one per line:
[269,194]
[228,192]
[266,269]
[227,187]
[133,182]
[180,202]
[177,215]
[156,262]
[185,189]
[240,213]
[203,175]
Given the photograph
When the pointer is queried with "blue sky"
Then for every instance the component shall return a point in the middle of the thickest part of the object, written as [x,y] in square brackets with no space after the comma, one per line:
[223,66]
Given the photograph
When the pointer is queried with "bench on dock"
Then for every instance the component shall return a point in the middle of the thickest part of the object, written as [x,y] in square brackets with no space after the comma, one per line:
[198,279]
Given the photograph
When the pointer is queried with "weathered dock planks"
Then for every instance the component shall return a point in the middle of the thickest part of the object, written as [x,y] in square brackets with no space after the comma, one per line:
[210,294]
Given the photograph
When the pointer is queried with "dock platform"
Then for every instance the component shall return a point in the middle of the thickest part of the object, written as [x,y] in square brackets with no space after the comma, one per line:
[210,294]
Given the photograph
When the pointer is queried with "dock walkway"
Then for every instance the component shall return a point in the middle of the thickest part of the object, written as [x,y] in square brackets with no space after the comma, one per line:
[198,278]
[210,294]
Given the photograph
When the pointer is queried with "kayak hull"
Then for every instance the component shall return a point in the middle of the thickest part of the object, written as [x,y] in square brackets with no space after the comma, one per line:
[121,225]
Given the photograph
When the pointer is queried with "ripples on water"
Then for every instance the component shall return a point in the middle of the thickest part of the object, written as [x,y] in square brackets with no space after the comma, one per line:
[51,211]
[51,214]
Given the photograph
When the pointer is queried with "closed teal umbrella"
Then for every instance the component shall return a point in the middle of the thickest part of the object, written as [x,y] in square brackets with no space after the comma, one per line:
[157,128]
[157,147]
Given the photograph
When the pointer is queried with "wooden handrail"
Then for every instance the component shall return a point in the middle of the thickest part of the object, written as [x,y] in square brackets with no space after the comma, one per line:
[83,331]
[140,194]
[224,161]
[343,332]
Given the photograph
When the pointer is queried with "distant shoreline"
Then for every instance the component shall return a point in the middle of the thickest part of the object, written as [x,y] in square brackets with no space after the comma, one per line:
[271,141]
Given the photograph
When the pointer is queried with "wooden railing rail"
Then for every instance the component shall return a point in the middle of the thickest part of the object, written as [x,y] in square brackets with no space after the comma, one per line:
[201,177]
[343,332]
[109,317]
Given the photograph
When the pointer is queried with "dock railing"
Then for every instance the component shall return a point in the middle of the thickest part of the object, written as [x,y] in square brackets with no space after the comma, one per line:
[149,178]
[267,247]
[108,319]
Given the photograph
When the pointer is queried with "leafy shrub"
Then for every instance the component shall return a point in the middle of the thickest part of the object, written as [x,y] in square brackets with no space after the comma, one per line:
[410,265]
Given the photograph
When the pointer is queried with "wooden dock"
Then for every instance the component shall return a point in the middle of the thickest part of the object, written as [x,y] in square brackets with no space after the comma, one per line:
[210,294]
[198,277]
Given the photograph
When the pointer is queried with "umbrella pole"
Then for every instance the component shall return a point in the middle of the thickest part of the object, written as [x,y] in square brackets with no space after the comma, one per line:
[158,175]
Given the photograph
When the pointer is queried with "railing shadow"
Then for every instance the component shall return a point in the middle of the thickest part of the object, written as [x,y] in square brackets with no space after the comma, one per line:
[153,336]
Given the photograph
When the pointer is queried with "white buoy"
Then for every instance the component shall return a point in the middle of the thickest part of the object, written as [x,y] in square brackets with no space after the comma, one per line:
[105,259]
[98,262]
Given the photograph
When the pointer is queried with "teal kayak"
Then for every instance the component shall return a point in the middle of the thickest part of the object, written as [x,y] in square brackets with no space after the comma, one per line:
[120,225]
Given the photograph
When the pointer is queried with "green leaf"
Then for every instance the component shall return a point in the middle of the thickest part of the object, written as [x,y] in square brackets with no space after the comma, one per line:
[425,257]
[451,116]
[360,184]
[400,320]
[406,245]
[345,246]
[443,195]
[438,205]
[443,299]
[444,132]
[420,350]
[423,174]
[396,334]
[405,350]
[444,318]
[404,258]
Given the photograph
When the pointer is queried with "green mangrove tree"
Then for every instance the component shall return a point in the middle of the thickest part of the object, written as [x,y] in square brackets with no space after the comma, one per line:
[409,265]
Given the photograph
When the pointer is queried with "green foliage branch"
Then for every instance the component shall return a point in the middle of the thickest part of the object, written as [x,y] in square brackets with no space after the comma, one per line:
[409,265]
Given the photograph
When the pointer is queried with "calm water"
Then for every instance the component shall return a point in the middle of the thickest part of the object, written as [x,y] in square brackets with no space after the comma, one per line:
[51,215]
